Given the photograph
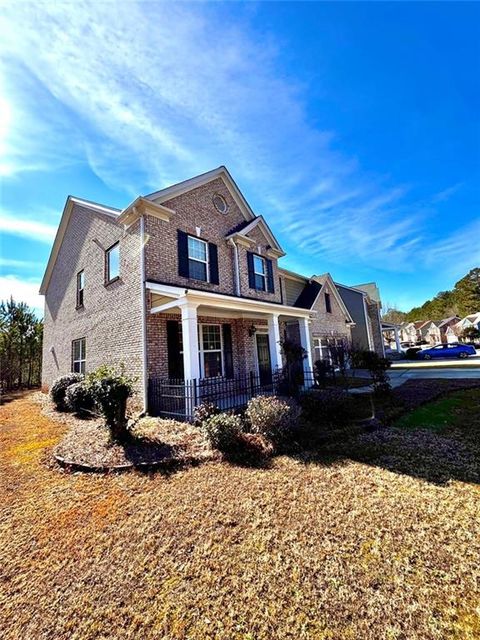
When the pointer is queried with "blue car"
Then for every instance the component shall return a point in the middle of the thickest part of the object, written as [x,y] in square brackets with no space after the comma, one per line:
[454,350]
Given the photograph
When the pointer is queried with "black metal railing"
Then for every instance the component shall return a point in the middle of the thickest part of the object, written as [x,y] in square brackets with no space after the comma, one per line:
[178,398]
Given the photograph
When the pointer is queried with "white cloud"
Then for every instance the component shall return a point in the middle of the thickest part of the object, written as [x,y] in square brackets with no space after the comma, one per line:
[13,224]
[162,91]
[22,291]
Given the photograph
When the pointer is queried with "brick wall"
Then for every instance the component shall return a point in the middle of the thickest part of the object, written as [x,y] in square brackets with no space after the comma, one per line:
[111,317]
[243,345]
[195,209]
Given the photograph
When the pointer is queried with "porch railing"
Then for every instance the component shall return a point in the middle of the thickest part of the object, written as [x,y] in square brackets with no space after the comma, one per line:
[177,398]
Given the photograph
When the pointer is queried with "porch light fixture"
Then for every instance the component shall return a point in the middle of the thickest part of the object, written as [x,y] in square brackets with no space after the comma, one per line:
[252,330]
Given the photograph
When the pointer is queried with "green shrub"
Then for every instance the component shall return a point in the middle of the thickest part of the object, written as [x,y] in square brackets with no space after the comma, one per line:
[377,367]
[272,418]
[79,398]
[204,411]
[222,431]
[327,407]
[59,389]
[111,389]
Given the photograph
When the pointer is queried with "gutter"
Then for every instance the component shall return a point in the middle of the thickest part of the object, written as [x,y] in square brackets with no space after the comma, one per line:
[144,315]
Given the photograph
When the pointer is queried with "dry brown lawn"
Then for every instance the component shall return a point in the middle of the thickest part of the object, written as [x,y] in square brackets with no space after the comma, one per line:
[322,551]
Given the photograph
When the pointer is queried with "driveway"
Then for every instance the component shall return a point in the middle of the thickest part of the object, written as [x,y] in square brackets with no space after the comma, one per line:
[399,376]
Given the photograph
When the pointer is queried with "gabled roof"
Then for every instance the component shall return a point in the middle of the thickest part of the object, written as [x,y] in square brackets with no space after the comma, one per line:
[242,231]
[447,320]
[313,289]
[62,227]
[192,183]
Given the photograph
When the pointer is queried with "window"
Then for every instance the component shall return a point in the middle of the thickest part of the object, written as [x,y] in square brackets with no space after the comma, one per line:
[328,349]
[328,303]
[78,355]
[80,288]
[112,263]
[211,350]
[220,203]
[259,271]
[197,259]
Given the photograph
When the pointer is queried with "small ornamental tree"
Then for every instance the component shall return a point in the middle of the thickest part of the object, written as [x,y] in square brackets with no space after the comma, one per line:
[471,333]
[292,374]
[111,389]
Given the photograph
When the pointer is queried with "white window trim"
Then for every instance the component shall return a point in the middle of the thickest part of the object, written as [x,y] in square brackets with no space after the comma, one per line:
[201,350]
[259,273]
[206,262]
[82,359]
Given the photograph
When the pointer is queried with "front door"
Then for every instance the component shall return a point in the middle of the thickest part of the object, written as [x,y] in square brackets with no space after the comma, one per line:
[263,359]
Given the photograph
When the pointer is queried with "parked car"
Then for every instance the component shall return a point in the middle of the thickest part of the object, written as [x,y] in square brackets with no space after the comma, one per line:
[411,353]
[447,351]
[393,354]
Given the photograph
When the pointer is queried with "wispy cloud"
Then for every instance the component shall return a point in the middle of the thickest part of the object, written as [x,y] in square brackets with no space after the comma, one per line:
[14,224]
[19,264]
[176,95]
[22,291]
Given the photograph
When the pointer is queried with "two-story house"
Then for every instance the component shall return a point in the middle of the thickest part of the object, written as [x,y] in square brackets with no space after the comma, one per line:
[183,284]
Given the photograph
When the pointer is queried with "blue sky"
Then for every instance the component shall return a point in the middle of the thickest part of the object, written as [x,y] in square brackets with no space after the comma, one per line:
[352,127]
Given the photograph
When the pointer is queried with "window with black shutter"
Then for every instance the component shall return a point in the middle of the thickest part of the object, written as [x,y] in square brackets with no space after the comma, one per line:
[197,258]
[260,273]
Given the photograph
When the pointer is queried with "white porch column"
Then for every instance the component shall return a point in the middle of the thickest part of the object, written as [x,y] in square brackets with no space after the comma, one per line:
[191,365]
[274,342]
[397,339]
[304,327]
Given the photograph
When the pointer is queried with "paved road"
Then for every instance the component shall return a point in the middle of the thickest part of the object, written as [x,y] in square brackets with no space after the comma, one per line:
[399,376]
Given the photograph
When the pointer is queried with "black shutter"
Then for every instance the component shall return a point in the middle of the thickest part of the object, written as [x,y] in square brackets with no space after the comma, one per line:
[175,358]
[227,350]
[183,254]
[213,262]
[251,273]
[270,283]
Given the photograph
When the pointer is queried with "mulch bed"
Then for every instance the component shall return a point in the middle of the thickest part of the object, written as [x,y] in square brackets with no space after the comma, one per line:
[413,393]
[87,444]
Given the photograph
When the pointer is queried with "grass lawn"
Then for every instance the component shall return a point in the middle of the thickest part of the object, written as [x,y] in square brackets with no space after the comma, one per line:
[365,541]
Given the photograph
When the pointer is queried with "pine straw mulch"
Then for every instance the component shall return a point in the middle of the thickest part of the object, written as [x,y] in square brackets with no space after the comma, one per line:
[87,443]
[327,550]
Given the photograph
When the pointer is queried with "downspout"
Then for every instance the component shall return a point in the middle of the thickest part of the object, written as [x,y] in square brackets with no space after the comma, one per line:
[144,315]
[236,269]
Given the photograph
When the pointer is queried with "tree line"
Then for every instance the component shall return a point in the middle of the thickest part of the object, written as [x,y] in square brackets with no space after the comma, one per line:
[461,301]
[21,336]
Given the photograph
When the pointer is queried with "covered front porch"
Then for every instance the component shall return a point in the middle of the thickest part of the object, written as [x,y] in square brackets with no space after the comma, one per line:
[204,346]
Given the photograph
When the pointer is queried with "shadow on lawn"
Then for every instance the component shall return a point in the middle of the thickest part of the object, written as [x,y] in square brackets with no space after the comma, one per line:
[451,452]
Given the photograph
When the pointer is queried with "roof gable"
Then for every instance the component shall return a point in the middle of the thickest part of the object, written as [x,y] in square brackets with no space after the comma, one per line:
[314,288]
[241,232]
[62,227]
[192,183]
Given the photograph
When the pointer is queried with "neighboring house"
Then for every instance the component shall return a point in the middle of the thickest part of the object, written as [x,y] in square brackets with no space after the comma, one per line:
[444,324]
[408,332]
[431,332]
[454,332]
[182,284]
[363,303]
[332,325]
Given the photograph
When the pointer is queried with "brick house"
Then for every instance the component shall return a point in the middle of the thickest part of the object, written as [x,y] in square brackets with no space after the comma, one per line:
[183,284]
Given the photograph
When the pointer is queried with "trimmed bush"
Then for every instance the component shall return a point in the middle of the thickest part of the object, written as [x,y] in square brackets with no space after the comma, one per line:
[222,431]
[327,407]
[59,389]
[111,389]
[204,411]
[79,398]
[272,418]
